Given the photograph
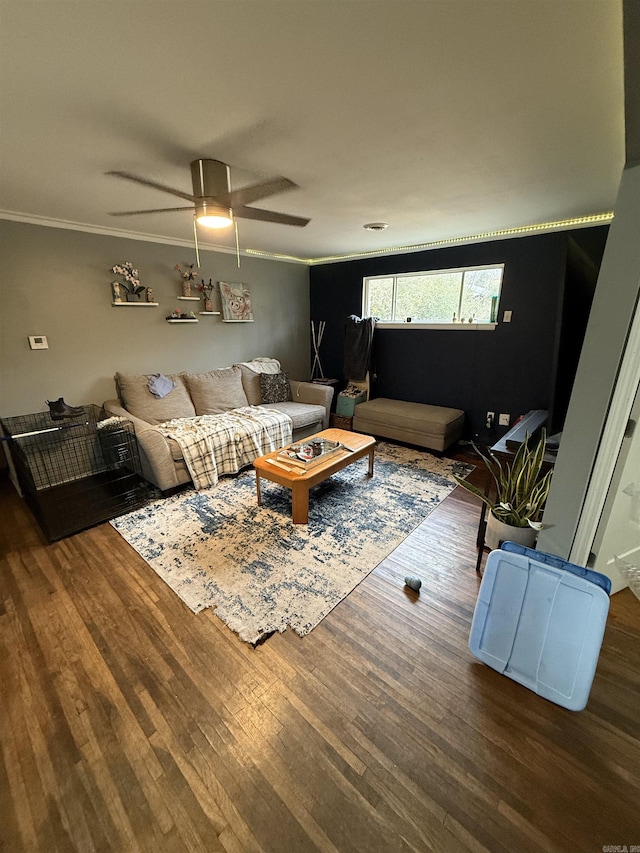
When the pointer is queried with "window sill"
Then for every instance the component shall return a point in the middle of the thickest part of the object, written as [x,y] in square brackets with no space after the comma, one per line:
[458,327]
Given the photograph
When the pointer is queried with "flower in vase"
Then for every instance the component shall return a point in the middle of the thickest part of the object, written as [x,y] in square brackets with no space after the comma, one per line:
[130,275]
[187,272]
[206,289]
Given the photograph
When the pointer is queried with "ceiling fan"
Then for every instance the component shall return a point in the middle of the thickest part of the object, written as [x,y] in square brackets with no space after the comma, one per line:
[213,202]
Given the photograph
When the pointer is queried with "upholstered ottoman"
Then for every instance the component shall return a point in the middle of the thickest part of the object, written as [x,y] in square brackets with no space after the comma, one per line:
[434,427]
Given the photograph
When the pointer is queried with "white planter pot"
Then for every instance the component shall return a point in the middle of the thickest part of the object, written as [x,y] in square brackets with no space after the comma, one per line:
[497,531]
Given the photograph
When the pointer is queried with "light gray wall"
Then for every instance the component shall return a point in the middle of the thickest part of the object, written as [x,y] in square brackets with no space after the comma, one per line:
[56,282]
[615,298]
[614,303]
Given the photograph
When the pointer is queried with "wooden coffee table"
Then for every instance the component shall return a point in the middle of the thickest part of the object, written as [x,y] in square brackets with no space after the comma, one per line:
[300,481]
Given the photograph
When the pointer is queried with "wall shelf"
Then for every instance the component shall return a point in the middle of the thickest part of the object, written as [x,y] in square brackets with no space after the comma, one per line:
[135,304]
[209,313]
[188,298]
[182,321]
[458,327]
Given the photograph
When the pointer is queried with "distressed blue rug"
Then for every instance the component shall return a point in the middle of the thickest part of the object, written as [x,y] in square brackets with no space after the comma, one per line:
[259,571]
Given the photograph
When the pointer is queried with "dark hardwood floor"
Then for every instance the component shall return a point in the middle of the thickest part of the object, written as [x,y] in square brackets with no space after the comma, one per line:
[129,724]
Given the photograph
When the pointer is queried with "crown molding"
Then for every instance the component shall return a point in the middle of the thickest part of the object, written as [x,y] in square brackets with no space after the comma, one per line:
[502,234]
[69,225]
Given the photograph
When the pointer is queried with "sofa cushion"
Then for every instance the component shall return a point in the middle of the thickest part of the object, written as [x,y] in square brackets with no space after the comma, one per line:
[251,384]
[251,377]
[136,398]
[216,391]
[301,414]
[275,388]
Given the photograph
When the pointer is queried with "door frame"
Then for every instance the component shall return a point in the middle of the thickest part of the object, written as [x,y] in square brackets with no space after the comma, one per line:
[611,443]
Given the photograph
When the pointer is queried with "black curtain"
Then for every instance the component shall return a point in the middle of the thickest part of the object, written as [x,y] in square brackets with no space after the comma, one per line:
[358,346]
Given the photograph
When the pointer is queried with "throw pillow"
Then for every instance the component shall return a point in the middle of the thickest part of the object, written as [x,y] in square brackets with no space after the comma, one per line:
[251,371]
[160,385]
[216,391]
[275,387]
[134,392]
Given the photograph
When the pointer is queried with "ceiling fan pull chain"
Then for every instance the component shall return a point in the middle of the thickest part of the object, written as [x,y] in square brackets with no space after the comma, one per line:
[235,226]
[195,242]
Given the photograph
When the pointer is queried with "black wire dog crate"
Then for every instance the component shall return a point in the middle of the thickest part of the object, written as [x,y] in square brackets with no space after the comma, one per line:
[76,472]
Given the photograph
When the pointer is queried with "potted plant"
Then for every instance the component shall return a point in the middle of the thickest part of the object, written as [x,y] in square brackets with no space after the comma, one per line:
[205,290]
[188,274]
[521,490]
[131,284]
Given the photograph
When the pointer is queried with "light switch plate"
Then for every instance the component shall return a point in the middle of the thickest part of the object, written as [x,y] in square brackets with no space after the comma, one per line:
[38,342]
[506,317]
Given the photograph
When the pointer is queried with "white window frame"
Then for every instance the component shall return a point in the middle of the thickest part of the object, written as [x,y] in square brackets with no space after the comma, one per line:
[402,324]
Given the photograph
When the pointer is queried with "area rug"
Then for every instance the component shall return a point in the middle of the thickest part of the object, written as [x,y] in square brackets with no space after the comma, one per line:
[260,572]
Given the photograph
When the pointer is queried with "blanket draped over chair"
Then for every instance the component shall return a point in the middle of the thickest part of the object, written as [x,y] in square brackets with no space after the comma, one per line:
[223,444]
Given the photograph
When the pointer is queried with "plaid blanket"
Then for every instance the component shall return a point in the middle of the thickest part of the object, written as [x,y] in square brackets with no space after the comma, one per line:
[223,444]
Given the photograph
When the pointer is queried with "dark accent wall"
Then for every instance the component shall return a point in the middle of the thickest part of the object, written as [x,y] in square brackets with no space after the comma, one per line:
[512,369]
[584,254]
[631,31]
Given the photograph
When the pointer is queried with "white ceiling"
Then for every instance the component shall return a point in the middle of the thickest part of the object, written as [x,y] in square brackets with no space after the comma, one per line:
[444,118]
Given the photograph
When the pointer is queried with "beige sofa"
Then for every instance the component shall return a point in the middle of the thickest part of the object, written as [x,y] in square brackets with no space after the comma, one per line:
[213,392]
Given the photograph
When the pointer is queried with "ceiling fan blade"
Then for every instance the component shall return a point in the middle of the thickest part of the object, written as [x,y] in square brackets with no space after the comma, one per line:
[210,180]
[129,177]
[245,195]
[156,210]
[270,216]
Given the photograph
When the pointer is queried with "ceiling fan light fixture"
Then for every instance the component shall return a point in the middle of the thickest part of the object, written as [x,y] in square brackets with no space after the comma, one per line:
[213,215]
[210,221]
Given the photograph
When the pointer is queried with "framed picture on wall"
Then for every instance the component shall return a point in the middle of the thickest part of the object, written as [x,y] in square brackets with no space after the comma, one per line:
[236,302]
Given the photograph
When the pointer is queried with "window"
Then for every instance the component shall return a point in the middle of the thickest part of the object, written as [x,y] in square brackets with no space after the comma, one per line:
[436,296]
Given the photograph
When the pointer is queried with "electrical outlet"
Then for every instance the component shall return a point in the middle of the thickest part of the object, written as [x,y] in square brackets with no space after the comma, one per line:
[491,416]
[506,317]
[504,420]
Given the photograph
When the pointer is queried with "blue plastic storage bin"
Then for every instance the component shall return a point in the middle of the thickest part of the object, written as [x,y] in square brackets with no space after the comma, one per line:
[540,621]
[550,560]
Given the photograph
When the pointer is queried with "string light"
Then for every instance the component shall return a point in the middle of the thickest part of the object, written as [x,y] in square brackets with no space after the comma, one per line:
[575,222]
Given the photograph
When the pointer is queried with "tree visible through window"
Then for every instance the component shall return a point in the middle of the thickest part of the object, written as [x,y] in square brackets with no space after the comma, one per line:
[437,296]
